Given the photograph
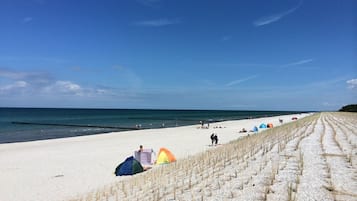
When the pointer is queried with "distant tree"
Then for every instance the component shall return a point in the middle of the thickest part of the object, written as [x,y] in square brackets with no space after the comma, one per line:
[349,108]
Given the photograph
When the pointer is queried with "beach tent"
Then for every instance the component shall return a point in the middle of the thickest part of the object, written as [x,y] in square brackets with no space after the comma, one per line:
[263,126]
[144,156]
[255,129]
[270,125]
[129,167]
[165,156]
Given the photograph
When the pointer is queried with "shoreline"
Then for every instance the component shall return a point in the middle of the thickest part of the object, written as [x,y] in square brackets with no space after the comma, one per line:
[68,167]
[31,124]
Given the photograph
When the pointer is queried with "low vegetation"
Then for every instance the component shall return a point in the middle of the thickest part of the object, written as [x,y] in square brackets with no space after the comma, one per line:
[310,159]
[349,108]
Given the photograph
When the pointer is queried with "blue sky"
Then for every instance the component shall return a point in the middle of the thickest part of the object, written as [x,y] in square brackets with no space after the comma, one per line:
[179,54]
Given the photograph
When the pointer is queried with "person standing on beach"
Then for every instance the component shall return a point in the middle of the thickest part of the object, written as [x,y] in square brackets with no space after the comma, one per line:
[141,148]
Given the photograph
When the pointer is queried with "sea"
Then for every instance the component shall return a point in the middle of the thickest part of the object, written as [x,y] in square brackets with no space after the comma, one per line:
[29,124]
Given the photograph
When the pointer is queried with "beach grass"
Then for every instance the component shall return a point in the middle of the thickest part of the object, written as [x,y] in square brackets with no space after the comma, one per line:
[256,167]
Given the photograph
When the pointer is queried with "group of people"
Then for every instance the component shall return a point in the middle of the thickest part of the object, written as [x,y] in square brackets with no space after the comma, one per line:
[243,130]
[214,139]
[202,124]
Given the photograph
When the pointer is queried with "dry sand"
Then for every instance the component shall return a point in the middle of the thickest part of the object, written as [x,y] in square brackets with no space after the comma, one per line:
[311,159]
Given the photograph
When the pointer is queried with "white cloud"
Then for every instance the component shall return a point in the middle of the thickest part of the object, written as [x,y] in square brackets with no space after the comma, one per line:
[157,22]
[13,87]
[64,87]
[43,84]
[68,86]
[275,17]
[352,84]
[235,82]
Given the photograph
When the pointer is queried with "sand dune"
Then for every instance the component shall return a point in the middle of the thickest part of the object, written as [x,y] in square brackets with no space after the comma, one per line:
[312,158]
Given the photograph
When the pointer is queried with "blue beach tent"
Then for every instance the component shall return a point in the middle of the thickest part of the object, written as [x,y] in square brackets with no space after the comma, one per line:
[255,129]
[263,126]
[129,167]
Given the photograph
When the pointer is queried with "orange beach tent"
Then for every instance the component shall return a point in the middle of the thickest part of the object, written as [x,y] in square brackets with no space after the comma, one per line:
[270,125]
[165,156]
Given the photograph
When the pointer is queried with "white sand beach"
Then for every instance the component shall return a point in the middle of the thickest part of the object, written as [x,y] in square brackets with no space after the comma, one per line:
[313,158]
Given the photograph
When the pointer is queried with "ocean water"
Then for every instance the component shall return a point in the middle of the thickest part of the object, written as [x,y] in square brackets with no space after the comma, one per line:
[28,124]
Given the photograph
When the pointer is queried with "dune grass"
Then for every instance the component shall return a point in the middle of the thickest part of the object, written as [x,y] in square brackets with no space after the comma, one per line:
[251,167]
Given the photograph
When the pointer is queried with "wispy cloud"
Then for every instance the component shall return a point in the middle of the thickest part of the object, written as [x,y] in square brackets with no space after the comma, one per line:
[235,82]
[34,77]
[27,19]
[296,63]
[157,22]
[13,86]
[226,37]
[329,104]
[6,73]
[32,59]
[275,17]
[352,84]
[129,75]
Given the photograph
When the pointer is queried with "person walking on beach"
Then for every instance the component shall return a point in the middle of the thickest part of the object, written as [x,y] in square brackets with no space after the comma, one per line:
[212,138]
[215,139]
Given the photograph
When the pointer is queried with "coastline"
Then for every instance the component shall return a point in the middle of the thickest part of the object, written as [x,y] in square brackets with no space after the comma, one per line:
[61,169]
[32,124]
